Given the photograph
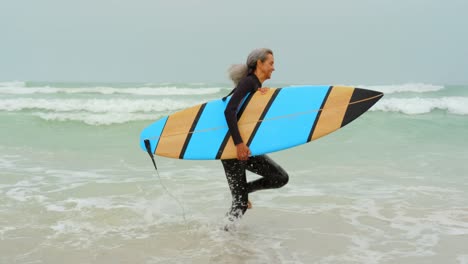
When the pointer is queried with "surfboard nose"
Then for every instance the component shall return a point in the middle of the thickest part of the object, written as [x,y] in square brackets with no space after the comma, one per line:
[360,102]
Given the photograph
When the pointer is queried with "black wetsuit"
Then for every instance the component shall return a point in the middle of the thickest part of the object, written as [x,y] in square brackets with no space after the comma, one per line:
[273,176]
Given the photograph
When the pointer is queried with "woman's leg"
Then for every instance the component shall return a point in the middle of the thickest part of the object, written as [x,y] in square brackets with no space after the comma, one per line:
[273,176]
[235,175]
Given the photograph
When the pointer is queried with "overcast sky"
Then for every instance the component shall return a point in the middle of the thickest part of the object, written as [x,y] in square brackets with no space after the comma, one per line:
[315,42]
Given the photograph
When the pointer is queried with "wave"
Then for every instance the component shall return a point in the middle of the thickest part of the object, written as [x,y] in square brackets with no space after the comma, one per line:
[98,119]
[95,105]
[17,84]
[19,87]
[414,106]
[115,111]
[408,87]
[16,88]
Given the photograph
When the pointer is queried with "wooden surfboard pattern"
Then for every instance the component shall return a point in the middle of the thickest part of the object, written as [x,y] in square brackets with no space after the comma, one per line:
[280,119]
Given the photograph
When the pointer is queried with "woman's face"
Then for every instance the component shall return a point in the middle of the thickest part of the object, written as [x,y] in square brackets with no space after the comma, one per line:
[266,67]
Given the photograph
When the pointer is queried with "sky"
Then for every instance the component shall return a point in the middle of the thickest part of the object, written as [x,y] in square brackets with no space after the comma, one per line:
[314,42]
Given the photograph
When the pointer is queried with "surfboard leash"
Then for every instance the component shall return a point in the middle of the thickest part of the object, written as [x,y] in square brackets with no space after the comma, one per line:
[150,153]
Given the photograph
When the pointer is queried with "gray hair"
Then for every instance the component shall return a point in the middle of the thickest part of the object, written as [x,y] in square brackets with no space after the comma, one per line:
[239,71]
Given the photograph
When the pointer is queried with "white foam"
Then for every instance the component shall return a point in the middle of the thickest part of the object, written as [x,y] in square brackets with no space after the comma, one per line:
[95,105]
[24,193]
[79,204]
[414,106]
[6,162]
[18,88]
[462,259]
[55,208]
[408,87]
[451,221]
[97,119]
[16,84]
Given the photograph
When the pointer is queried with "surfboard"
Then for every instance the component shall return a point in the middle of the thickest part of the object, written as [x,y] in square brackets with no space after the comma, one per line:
[280,119]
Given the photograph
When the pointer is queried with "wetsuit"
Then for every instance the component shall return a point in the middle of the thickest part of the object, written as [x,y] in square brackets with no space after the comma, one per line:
[273,176]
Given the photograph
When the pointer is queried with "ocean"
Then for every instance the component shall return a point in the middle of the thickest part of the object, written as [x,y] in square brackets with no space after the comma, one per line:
[75,187]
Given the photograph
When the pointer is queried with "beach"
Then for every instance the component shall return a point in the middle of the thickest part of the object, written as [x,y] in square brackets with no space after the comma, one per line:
[390,187]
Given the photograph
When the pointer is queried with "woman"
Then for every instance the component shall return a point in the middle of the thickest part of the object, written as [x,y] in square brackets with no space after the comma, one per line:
[248,78]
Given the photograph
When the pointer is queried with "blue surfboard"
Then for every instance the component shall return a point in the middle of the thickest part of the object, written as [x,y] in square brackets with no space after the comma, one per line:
[280,119]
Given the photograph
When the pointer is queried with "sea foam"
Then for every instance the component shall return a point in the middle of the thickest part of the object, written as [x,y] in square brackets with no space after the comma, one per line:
[18,88]
[416,105]
[408,87]
[95,105]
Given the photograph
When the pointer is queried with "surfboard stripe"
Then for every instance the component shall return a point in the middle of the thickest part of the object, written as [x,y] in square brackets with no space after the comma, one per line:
[209,132]
[176,131]
[192,128]
[159,138]
[228,137]
[332,113]
[265,111]
[289,119]
[309,138]
[248,123]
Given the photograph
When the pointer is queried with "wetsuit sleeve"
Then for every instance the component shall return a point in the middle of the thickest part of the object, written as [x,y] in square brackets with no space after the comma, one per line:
[244,87]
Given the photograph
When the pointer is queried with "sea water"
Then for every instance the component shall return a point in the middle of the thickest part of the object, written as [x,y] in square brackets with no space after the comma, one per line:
[75,187]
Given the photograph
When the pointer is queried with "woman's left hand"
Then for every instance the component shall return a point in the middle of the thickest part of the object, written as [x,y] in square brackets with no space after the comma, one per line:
[263,90]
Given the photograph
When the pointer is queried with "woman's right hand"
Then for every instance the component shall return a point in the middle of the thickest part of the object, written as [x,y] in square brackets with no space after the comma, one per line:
[263,90]
[243,152]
